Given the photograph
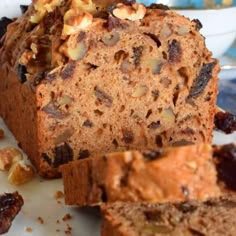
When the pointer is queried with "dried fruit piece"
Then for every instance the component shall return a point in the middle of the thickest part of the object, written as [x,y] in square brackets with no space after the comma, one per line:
[84,154]
[103,97]
[155,94]
[22,71]
[159,6]
[111,38]
[202,80]
[138,51]
[153,155]
[52,109]
[88,124]
[75,20]
[174,51]
[10,205]
[198,24]
[225,122]
[1,133]
[113,23]
[4,22]
[20,173]
[154,125]
[140,91]
[37,80]
[154,38]
[128,136]
[226,164]
[9,156]
[62,155]
[68,70]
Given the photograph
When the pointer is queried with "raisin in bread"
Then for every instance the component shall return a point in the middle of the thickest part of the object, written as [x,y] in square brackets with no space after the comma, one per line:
[215,217]
[165,175]
[77,81]
[10,205]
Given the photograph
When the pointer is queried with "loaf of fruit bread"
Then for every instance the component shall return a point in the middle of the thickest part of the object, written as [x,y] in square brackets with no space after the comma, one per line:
[165,175]
[77,81]
[214,217]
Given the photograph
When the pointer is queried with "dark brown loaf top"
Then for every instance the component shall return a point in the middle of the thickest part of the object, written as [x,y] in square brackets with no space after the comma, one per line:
[164,175]
[76,84]
[215,217]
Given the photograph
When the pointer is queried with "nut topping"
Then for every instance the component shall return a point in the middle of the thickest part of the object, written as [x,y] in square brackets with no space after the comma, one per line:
[9,156]
[86,5]
[76,20]
[43,6]
[135,12]
[20,173]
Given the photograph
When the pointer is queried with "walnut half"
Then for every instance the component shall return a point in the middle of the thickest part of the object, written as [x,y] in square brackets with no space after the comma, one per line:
[135,12]
[9,156]
[20,173]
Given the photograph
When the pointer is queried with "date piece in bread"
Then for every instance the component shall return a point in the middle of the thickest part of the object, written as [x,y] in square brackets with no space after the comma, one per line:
[10,205]
[169,174]
[215,217]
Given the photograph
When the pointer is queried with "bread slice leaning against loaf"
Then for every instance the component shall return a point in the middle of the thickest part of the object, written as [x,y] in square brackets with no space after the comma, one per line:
[76,83]
[165,175]
[214,217]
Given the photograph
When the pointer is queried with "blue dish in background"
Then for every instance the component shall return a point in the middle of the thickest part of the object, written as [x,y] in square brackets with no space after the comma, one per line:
[194,4]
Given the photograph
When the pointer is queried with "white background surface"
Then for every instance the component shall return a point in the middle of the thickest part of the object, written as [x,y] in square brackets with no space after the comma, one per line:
[39,194]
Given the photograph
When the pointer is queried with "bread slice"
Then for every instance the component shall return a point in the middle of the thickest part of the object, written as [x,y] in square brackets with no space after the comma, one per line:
[165,175]
[76,83]
[215,217]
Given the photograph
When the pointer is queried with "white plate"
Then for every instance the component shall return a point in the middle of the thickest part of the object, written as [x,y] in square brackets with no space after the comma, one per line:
[39,194]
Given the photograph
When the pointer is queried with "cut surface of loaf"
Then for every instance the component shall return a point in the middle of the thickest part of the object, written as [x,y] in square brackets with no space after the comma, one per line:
[215,217]
[76,84]
[169,174]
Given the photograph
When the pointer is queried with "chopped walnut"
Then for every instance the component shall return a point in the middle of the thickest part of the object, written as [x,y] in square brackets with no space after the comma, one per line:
[20,173]
[135,12]
[87,5]
[76,20]
[42,7]
[9,156]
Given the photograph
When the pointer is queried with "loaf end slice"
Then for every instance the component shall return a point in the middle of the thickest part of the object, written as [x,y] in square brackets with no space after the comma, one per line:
[215,217]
